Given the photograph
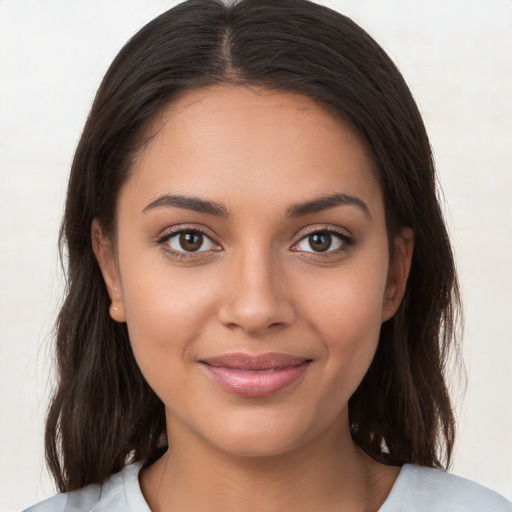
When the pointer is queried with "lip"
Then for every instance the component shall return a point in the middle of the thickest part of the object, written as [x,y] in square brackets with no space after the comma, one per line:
[257,376]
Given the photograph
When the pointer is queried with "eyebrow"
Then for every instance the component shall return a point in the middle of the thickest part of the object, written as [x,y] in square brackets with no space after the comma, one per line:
[320,204]
[315,205]
[188,203]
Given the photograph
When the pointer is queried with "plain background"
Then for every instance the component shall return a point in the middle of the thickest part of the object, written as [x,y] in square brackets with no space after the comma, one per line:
[456,56]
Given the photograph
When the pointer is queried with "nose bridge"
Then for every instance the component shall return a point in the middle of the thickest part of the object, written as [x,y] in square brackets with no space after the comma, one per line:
[256,297]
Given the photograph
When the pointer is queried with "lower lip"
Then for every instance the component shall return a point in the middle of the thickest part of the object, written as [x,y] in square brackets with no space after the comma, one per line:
[254,383]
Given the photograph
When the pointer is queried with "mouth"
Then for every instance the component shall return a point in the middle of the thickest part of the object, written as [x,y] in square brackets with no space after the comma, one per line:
[258,376]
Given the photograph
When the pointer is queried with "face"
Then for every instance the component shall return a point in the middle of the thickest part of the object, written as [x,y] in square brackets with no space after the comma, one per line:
[251,264]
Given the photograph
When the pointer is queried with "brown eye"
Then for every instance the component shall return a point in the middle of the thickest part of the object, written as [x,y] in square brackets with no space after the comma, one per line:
[191,241]
[320,242]
[323,241]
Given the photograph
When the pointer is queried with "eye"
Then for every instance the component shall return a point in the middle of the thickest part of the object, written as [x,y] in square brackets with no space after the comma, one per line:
[323,241]
[188,241]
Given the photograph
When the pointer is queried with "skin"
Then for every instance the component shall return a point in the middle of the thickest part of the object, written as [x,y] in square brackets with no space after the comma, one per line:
[256,285]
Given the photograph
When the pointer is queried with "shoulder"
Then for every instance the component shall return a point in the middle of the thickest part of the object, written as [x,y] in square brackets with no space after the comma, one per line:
[120,493]
[426,489]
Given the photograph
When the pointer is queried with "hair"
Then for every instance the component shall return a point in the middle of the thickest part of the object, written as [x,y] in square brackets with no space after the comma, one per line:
[103,415]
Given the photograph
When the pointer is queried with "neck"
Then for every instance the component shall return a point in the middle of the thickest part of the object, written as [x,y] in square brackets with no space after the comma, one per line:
[328,473]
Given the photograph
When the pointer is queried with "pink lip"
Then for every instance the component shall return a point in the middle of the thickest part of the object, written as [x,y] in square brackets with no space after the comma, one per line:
[255,376]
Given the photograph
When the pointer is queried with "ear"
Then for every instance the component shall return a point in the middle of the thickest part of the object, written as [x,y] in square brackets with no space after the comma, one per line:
[399,268]
[105,254]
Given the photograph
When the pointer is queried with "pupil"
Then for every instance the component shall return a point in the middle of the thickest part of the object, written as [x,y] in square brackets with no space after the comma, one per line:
[320,242]
[191,241]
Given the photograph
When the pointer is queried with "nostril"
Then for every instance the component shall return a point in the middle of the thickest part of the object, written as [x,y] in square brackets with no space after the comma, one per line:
[255,305]
[253,324]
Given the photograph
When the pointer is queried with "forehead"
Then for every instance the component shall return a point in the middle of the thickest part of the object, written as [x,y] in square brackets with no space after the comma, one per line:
[252,141]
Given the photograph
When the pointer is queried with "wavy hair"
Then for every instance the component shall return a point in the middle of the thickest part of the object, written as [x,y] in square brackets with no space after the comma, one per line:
[103,414]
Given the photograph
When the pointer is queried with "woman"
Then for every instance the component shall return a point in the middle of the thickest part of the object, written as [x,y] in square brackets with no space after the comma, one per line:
[262,293]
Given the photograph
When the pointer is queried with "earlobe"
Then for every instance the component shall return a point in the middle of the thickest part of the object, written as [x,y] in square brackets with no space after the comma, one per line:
[399,268]
[105,255]
[117,312]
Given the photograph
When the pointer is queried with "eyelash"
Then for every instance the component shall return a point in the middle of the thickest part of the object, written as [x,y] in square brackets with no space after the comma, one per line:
[164,239]
[346,242]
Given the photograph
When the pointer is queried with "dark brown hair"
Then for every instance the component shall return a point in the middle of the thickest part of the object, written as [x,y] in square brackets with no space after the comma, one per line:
[103,414]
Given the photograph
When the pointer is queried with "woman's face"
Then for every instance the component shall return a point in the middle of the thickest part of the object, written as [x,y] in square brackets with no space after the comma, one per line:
[251,264]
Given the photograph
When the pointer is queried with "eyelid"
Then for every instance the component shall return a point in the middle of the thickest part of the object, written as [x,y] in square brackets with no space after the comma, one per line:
[346,239]
[170,232]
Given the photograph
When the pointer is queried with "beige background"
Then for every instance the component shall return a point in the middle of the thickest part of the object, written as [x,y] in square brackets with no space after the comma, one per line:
[457,57]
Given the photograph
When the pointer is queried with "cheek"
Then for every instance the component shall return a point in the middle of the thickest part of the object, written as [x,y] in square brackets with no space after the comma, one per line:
[165,312]
[165,303]
[346,311]
[347,299]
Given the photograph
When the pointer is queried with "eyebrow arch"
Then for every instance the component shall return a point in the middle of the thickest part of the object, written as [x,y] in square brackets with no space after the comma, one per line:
[296,210]
[320,204]
[188,203]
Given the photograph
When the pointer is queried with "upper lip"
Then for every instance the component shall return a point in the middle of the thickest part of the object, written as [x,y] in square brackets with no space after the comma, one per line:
[248,362]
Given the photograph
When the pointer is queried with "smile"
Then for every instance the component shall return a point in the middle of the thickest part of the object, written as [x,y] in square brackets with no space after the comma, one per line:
[255,376]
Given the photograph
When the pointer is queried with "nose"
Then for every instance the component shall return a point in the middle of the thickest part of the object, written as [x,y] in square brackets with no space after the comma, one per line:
[256,298]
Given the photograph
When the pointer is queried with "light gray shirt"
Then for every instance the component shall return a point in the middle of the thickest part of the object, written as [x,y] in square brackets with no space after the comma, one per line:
[417,489]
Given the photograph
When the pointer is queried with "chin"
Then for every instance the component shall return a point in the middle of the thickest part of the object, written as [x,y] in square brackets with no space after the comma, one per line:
[260,432]
[256,445]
